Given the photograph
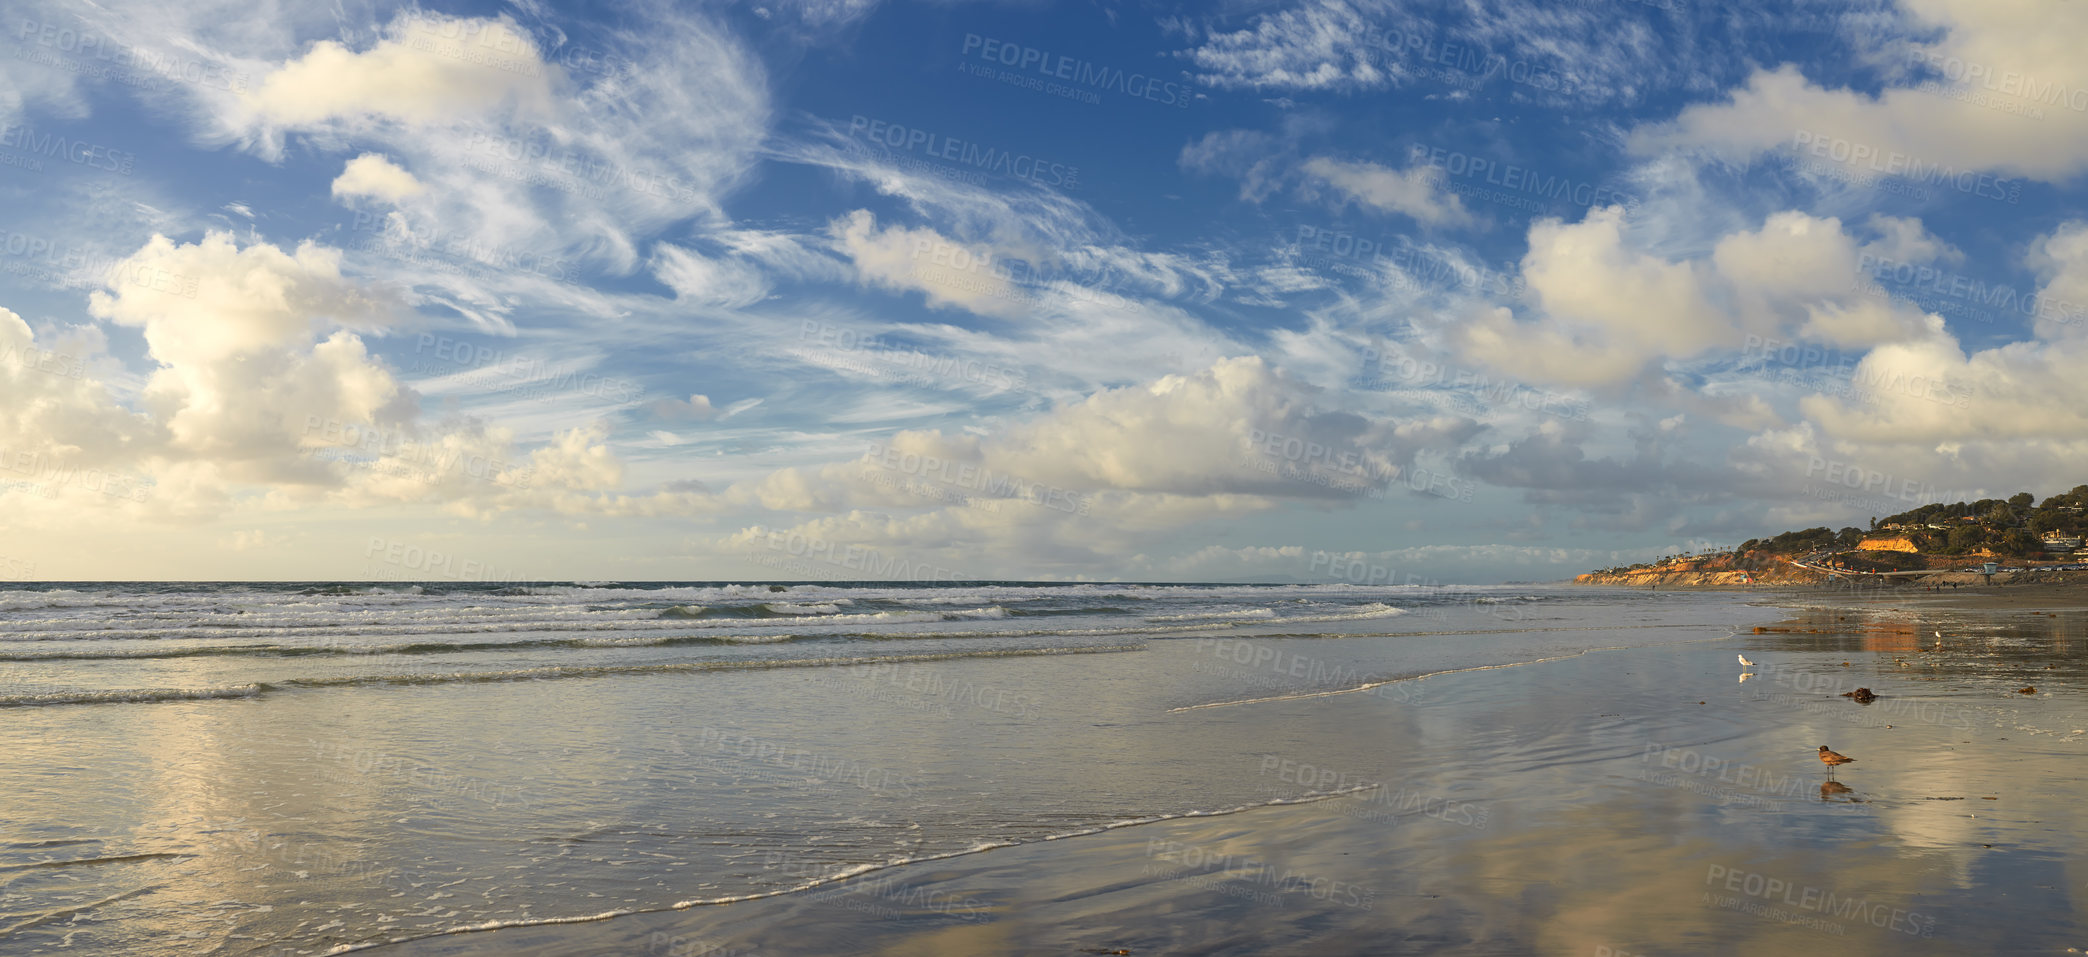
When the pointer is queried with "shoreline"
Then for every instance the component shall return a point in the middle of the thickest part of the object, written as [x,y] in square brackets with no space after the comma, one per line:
[1628,801]
[2024,594]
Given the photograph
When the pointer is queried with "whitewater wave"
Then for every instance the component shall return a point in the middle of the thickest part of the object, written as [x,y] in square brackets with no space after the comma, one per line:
[1234,613]
[1376,609]
[129,696]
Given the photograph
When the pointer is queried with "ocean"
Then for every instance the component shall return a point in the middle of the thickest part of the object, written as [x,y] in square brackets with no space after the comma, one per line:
[310,768]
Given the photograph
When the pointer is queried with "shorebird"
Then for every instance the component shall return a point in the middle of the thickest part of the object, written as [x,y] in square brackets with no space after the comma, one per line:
[1830,758]
[1744,661]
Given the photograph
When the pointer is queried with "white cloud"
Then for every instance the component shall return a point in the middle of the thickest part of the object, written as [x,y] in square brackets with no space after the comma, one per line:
[2060,259]
[1607,311]
[952,274]
[1316,46]
[239,372]
[696,407]
[429,70]
[517,159]
[376,176]
[1416,192]
[695,278]
[2010,97]
[1099,476]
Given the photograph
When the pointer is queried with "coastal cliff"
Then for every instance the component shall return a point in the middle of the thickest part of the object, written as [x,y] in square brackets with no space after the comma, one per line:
[1718,571]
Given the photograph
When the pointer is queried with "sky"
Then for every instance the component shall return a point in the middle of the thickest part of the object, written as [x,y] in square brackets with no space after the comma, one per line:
[1408,293]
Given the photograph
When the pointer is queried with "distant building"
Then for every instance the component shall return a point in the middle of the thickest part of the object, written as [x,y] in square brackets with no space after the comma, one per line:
[2058,542]
[1890,543]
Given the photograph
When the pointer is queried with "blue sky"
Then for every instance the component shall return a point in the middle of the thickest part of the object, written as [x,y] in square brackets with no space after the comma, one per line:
[1409,292]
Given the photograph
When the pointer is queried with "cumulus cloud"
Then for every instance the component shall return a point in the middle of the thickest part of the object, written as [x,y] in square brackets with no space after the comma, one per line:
[52,404]
[430,69]
[1416,192]
[951,274]
[240,371]
[1099,476]
[264,395]
[1606,310]
[517,159]
[376,176]
[2000,87]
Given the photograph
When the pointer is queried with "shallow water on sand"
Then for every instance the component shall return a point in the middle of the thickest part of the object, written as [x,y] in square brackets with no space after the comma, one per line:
[1642,801]
[234,770]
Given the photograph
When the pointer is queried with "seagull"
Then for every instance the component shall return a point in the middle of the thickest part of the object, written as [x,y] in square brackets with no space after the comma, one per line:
[1744,661]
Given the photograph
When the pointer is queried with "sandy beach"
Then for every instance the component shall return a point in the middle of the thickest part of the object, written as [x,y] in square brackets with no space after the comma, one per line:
[1646,801]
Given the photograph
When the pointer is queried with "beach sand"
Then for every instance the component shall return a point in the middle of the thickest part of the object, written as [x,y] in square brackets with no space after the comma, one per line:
[1632,802]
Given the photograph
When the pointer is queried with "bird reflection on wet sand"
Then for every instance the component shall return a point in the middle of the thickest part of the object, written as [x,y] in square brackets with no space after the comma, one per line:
[1835,790]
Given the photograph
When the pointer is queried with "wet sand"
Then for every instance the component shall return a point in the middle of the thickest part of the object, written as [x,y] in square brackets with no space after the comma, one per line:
[1634,802]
